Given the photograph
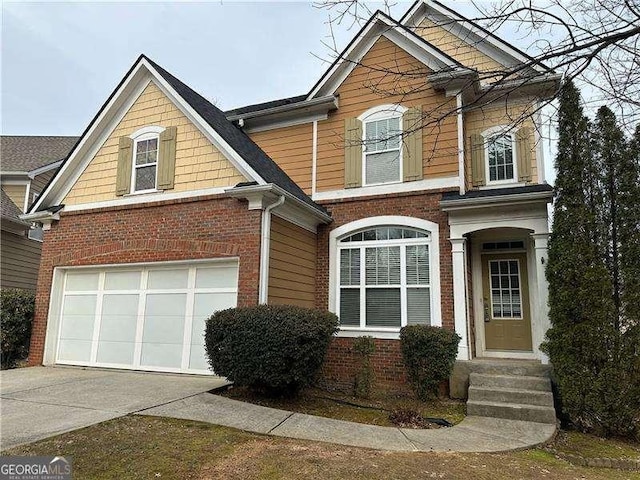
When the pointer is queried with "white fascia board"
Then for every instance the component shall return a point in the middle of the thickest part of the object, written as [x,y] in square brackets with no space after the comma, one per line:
[45,168]
[378,26]
[510,199]
[256,192]
[142,74]
[494,48]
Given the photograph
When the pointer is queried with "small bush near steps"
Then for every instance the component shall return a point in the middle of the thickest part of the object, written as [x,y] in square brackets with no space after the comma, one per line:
[276,349]
[16,310]
[429,354]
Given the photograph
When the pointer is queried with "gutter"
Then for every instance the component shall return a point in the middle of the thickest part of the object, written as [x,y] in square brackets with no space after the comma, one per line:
[33,173]
[265,247]
[331,101]
[46,217]
[467,203]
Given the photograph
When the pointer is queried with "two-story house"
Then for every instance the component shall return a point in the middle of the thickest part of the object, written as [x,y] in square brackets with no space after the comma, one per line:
[406,187]
[27,163]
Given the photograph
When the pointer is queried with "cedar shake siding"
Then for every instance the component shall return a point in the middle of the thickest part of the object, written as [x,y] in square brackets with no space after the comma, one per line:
[199,165]
[292,264]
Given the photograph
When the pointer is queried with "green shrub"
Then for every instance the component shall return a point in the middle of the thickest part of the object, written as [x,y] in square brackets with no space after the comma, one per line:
[429,354]
[364,347]
[277,349]
[16,311]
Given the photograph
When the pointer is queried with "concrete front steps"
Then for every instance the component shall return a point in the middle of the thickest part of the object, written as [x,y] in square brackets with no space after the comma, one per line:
[515,390]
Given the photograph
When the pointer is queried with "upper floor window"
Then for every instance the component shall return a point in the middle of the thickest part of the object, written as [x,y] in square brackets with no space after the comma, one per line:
[500,157]
[146,143]
[382,144]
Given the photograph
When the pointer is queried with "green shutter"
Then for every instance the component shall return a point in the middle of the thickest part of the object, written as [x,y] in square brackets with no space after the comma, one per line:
[523,154]
[352,153]
[412,155]
[167,158]
[477,160]
[125,162]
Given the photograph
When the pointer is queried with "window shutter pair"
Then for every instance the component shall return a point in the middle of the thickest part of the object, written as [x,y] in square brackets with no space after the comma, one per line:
[165,169]
[523,157]
[412,154]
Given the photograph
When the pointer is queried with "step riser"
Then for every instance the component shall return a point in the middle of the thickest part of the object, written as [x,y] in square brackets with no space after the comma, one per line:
[541,384]
[525,413]
[481,394]
[528,370]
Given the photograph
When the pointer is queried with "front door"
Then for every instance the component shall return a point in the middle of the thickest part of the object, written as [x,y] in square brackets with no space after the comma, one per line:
[507,317]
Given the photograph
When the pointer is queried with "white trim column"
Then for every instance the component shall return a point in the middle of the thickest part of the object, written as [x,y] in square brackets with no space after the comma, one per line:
[543,324]
[458,258]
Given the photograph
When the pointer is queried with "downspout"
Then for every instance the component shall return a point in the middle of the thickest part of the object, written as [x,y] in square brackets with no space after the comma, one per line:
[265,245]
[461,172]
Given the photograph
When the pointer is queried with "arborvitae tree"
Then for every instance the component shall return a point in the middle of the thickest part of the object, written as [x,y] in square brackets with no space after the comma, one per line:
[580,298]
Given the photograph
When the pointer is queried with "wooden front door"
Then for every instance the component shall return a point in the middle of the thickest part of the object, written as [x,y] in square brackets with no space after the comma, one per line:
[507,316]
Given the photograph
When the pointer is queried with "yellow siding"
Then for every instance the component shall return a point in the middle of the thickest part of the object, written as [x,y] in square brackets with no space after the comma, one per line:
[374,82]
[463,52]
[292,149]
[292,264]
[513,116]
[198,163]
[16,194]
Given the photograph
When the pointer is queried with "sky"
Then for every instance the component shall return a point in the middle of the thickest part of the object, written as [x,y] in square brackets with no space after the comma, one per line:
[60,61]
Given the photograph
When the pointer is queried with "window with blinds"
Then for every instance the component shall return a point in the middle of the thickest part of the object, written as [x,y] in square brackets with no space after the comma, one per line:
[384,279]
[381,150]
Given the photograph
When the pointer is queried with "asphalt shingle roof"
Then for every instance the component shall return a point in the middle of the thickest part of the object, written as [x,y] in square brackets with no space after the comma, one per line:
[237,139]
[265,105]
[495,192]
[8,209]
[19,153]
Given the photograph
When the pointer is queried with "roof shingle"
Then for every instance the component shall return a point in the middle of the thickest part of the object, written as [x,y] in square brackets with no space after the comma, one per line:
[21,153]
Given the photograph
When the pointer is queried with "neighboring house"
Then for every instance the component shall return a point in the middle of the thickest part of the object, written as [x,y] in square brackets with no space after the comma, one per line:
[168,209]
[27,163]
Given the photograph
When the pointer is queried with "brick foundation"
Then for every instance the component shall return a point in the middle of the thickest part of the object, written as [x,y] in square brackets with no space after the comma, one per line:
[215,227]
[341,364]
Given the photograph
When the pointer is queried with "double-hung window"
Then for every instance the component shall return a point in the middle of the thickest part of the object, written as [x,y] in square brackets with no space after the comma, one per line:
[500,158]
[145,163]
[384,278]
[382,149]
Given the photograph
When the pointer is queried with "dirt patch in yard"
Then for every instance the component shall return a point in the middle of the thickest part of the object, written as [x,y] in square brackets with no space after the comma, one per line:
[376,411]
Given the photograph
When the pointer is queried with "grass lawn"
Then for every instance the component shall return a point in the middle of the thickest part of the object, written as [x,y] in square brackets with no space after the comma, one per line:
[590,446]
[138,447]
[344,407]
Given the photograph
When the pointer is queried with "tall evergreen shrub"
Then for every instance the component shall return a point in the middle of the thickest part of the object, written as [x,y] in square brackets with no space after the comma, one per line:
[591,340]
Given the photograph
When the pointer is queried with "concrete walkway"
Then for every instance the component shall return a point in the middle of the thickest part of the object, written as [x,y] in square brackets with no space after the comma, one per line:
[473,434]
[39,402]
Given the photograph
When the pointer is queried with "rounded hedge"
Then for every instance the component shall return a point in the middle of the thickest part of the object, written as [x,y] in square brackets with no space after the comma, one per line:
[16,310]
[275,348]
[429,355]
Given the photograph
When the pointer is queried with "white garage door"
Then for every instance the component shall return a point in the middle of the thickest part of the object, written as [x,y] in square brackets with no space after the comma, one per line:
[142,318]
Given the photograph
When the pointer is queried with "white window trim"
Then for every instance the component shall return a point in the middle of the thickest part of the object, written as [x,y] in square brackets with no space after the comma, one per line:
[385,220]
[381,112]
[140,135]
[487,135]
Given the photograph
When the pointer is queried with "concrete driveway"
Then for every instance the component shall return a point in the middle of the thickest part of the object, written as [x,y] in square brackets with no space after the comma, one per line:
[40,402]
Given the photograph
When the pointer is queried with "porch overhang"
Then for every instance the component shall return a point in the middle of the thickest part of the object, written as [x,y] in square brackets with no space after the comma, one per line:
[499,197]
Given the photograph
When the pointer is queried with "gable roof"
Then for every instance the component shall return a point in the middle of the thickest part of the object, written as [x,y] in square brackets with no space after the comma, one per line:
[8,210]
[244,153]
[381,24]
[22,153]
[472,32]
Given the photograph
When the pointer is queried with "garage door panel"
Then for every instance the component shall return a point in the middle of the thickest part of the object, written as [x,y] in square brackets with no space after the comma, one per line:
[142,317]
[163,355]
[71,350]
[122,280]
[82,281]
[168,279]
[77,317]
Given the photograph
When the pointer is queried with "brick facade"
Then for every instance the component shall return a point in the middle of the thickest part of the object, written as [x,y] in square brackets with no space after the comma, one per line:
[211,227]
[341,364]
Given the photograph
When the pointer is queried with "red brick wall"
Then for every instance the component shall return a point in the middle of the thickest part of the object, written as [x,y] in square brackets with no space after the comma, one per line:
[341,365]
[214,227]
